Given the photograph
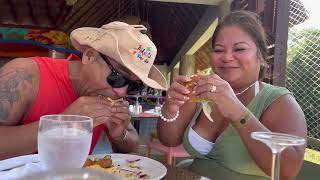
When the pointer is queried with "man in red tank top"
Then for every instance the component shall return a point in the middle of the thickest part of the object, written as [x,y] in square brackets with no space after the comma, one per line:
[117,59]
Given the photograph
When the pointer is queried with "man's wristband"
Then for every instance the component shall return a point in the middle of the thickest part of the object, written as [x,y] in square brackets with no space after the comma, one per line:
[122,137]
[245,117]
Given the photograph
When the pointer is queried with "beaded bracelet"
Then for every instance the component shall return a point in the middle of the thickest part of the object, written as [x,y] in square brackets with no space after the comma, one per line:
[166,119]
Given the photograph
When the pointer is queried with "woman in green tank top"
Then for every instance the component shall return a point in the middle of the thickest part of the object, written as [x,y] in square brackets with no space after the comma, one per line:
[217,134]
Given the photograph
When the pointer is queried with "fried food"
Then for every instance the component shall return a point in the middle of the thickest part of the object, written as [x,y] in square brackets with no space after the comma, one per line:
[112,101]
[88,162]
[192,83]
[104,162]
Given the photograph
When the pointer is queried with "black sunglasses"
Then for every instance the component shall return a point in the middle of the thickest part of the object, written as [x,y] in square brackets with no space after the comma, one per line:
[117,80]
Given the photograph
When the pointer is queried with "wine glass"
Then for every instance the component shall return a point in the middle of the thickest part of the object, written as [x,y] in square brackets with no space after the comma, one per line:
[277,142]
[64,140]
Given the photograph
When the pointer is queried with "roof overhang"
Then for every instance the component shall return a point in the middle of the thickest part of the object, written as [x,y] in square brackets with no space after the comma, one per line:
[203,31]
[204,2]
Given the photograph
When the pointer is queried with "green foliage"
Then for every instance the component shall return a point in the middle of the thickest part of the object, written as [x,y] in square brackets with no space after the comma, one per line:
[312,156]
[303,74]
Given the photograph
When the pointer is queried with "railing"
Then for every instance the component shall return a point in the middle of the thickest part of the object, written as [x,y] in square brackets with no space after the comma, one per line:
[303,68]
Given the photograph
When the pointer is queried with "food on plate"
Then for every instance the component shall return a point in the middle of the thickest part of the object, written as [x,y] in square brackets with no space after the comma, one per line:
[129,170]
[194,79]
[104,162]
[88,162]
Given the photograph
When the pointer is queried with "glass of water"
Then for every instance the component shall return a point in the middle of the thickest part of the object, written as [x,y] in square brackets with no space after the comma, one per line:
[64,140]
[277,142]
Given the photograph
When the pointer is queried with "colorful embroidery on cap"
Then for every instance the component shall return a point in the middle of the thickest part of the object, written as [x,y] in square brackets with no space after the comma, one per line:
[143,54]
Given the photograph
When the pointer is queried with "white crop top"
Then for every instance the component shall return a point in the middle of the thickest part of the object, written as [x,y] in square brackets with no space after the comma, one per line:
[200,144]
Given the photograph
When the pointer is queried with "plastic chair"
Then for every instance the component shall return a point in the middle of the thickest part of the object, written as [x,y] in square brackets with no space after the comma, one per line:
[170,152]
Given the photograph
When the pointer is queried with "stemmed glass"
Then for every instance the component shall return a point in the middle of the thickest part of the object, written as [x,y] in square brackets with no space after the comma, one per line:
[277,142]
[64,140]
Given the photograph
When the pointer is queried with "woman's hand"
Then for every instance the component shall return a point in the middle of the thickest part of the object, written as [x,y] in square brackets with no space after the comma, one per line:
[221,95]
[176,95]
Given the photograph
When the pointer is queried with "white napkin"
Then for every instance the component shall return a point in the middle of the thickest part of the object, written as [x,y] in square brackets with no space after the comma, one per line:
[18,161]
[19,172]
[20,166]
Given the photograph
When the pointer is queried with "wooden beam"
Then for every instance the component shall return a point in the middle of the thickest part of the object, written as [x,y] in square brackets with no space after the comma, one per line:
[74,18]
[269,18]
[204,2]
[281,38]
[13,11]
[204,38]
[31,13]
[63,13]
[205,22]
[91,16]
[256,5]
[42,27]
[51,19]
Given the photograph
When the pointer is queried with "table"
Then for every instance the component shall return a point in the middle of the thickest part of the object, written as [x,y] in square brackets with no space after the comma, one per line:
[136,119]
[146,115]
[176,173]
[173,173]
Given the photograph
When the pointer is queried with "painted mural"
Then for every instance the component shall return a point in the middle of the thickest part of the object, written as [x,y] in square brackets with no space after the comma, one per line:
[49,37]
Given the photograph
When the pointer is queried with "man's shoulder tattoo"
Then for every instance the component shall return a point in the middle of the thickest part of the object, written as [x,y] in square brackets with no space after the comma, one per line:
[11,85]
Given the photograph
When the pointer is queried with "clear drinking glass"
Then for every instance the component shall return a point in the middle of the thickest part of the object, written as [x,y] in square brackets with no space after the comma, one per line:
[157,108]
[277,142]
[64,140]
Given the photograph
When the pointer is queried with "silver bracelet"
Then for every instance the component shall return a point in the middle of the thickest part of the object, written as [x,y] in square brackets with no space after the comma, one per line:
[123,136]
[166,119]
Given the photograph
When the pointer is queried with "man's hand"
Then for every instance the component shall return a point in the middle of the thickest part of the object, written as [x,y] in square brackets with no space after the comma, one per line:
[119,120]
[96,108]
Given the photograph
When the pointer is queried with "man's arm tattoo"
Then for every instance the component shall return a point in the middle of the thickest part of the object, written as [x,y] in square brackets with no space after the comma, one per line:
[9,89]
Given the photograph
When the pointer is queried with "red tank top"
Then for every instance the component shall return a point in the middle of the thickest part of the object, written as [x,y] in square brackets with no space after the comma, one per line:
[55,92]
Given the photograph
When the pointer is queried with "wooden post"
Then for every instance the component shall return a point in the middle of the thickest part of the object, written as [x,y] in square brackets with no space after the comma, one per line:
[281,38]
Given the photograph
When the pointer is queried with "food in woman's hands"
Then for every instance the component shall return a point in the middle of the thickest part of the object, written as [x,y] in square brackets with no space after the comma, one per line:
[194,79]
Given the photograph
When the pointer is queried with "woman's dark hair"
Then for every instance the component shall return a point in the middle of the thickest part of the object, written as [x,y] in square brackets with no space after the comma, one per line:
[251,24]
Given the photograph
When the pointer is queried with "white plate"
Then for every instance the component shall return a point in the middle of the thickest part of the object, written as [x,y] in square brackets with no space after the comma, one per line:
[78,174]
[151,167]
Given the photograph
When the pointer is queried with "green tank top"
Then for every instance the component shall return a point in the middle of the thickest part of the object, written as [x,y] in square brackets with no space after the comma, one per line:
[229,158]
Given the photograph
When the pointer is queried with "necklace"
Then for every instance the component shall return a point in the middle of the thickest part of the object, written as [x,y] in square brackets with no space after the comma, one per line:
[237,94]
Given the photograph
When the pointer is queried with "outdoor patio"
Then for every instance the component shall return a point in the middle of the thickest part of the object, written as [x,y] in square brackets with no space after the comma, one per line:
[182,31]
